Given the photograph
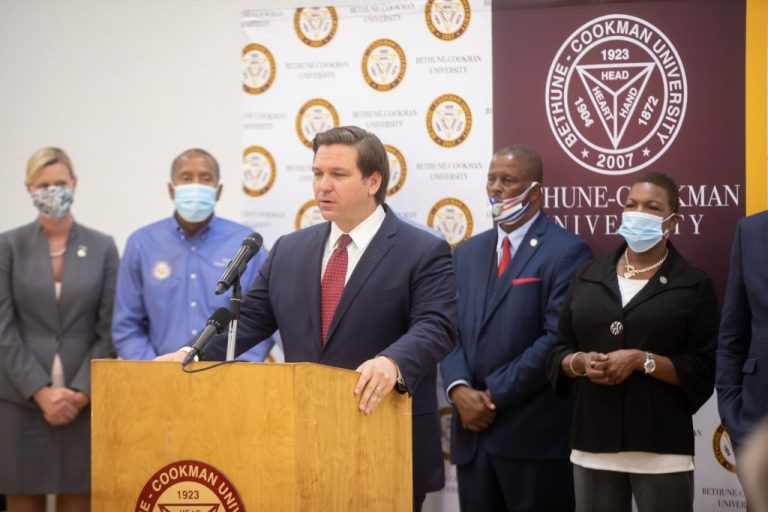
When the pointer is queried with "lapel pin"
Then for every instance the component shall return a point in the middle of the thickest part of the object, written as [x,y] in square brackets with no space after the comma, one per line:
[82,251]
[663,279]
[534,242]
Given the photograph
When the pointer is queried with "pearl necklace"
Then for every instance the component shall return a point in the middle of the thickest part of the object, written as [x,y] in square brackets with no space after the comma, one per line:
[56,254]
[632,272]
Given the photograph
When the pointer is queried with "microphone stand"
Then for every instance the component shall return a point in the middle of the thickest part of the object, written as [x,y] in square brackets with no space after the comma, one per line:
[234,307]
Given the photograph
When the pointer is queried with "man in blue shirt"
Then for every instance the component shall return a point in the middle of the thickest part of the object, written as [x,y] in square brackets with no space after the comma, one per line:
[169,270]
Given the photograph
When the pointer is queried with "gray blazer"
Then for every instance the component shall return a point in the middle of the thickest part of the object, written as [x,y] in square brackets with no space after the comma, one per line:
[34,326]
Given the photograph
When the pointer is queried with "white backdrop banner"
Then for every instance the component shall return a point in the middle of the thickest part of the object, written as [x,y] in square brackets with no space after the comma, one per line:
[417,74]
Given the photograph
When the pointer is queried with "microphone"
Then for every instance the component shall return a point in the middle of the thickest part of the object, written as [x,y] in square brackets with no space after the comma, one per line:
[215,324]
[236,267]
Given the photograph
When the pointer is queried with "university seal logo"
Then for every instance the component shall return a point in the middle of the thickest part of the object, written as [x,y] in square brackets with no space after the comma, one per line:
[453,218]
[447,19]
[188,485]
[315,26]
[259,171]
[449,120]
[308,215]
[258,68]
[723,449]
[383,65]
[315,116]
[397,169]
[616,94]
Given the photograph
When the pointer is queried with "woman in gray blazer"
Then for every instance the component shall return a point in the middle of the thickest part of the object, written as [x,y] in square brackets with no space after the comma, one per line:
[57,282]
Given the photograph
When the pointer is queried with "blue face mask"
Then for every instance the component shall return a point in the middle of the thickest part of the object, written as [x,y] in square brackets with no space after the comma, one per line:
[509,211]
[194,203]
[642,231]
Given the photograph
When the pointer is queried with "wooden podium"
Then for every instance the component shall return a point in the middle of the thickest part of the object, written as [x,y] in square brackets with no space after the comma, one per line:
[244,436]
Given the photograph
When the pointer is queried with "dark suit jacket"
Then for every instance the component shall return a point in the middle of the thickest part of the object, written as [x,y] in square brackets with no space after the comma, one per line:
[742,354]
[675,314]
[34,325]
[399,302]
[506,329]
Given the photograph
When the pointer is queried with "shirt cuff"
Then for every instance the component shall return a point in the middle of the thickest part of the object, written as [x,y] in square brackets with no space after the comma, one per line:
[188,350]
[400,386]
[460,382]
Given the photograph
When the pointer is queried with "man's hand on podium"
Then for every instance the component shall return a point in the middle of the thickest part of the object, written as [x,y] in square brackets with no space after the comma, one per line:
[174,357]
[378,377]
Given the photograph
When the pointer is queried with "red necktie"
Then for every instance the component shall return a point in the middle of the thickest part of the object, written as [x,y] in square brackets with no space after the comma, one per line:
[506,255]
[333,283]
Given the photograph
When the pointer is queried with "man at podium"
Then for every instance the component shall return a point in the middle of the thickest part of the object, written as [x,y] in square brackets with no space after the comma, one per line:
[363,291]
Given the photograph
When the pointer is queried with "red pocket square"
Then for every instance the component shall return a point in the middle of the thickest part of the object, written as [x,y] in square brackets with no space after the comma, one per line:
[523,280]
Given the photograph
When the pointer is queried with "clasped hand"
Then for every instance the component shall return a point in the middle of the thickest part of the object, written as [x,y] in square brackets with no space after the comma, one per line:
[476,408]
[60,406]
[612,368]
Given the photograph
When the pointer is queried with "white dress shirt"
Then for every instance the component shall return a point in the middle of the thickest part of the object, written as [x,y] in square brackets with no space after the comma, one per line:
[361,236]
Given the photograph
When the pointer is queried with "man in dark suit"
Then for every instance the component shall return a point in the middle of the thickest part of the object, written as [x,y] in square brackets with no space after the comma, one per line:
[742,352]
[510,433]
[364,291]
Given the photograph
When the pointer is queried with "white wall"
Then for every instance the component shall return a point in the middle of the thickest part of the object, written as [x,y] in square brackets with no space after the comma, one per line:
[123,87]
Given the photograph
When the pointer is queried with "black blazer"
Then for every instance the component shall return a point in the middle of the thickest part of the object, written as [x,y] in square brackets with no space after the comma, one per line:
[675,315]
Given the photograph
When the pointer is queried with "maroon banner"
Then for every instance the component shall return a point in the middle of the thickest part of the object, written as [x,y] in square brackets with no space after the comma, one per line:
[607,91]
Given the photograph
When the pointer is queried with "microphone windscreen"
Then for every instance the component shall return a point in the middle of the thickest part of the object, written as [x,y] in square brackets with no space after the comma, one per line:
[220,318]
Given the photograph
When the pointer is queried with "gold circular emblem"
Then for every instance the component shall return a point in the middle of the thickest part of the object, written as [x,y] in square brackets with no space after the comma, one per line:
[188,485]
[259,171]
[397,169]
[308,215]
[453,218]
[258,68]
[723,449]
[315,26]
[449,120]
[315,116]
[445,431]
[447,19]
[161,270]
[383,65]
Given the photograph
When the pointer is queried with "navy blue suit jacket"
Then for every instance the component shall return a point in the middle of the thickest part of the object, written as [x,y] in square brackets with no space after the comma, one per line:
[400,302]
[507,327]
[742,352]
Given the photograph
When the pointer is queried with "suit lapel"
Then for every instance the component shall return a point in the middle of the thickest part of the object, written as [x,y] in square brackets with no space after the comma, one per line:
[42,262]
[71,273]
[379,246]
[482,278]
[520,259]
[313,270]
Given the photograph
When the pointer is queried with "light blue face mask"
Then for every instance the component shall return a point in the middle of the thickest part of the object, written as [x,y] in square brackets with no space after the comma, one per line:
[642,231]
[194,202]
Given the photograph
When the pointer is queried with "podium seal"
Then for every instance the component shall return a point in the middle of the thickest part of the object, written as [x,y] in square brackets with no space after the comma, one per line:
[189,485]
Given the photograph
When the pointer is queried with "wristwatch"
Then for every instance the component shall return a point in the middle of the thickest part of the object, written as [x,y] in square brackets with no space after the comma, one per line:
[649,365]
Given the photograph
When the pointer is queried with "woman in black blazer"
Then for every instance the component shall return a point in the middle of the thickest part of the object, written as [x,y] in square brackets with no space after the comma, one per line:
[57,282]
[637,336]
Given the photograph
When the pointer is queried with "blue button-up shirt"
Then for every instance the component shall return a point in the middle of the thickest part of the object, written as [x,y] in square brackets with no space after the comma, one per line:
[166,283]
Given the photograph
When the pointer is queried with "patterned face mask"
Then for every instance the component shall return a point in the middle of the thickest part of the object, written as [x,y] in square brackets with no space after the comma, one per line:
[54,201]
[509,211]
